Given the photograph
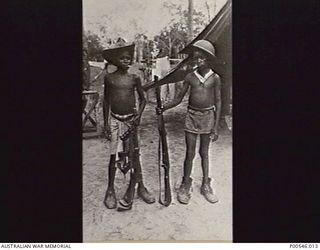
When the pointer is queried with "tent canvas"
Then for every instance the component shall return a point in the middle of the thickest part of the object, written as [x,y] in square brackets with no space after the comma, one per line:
[218,32]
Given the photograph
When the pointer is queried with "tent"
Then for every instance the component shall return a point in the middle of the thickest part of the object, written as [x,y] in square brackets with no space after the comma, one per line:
[218,32]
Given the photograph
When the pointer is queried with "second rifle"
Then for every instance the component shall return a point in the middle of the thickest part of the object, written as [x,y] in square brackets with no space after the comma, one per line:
[163,155]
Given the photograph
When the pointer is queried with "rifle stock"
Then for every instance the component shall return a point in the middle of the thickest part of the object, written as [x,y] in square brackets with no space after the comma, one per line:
[126,203]
[163,153]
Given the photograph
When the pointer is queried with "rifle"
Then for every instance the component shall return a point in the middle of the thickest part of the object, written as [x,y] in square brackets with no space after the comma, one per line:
[132,155]
[163,154]
[128,155]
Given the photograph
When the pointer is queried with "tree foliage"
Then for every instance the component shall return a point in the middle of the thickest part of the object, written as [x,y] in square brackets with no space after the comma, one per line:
[93,46]
[174,36]
[170,40]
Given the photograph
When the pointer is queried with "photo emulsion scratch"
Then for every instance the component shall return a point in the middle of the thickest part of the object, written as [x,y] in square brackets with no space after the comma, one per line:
[157,120]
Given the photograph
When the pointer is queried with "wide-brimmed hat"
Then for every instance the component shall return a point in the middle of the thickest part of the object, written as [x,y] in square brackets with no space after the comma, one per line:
[112,53]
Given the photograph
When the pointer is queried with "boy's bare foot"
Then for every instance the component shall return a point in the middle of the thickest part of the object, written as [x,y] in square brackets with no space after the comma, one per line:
[110,200]
[145,195]
[207,191]
[184,194]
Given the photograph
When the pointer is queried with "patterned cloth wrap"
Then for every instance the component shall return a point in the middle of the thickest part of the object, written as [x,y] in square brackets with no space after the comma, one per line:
[119,124]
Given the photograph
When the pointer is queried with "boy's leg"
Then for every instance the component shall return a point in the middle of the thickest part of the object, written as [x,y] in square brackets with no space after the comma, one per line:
[110,197]
[184,189]
[143,192]
[191,140]
[128,196]
[204,153]
[206,189]
[126,202]
[112,171]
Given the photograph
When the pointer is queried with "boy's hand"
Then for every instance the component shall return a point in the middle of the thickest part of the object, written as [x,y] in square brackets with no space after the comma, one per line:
[107,133]
[214,135]
[137,120]
[160,110]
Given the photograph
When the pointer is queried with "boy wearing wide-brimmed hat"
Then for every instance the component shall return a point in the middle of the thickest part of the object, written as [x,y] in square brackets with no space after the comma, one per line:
[201,119]
[120,112]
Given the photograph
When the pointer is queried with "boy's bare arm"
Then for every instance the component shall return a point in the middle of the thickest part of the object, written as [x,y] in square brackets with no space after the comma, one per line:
[179,98]
[142,99]
[106,104]
[217,92]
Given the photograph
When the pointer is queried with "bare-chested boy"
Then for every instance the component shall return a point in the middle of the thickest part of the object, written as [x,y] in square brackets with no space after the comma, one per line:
[119,113]
[202,118]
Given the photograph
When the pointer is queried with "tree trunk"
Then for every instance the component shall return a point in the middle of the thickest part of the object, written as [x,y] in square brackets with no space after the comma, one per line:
[170,46]
[190,20]
[140,52]
[208,9]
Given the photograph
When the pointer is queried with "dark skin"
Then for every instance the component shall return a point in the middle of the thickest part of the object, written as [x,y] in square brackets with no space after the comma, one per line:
[119,96]
[119,91]
[201,96]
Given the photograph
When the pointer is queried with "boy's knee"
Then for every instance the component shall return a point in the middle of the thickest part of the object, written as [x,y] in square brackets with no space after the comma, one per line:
[190,155]
[203,153]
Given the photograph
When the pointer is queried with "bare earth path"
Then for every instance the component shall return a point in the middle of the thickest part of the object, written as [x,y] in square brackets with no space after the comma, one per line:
[199,220]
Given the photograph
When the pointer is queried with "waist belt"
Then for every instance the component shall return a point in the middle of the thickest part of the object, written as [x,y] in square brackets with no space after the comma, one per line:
[202,109]
[122,117]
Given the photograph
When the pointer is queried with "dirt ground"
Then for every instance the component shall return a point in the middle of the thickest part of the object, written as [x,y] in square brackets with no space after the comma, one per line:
[199,220]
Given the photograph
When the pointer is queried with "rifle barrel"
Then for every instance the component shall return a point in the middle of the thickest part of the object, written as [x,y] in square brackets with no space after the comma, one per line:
[164,153]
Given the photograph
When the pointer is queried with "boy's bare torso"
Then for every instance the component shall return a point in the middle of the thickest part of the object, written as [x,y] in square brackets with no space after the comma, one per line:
[201,94]
[121,88]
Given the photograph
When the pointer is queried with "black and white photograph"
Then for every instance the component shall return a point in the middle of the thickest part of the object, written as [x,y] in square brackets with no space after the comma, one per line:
[157,120]
[172,121]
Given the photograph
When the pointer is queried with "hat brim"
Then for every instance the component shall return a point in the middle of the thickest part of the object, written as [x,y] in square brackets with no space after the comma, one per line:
[112,54]
[212,57]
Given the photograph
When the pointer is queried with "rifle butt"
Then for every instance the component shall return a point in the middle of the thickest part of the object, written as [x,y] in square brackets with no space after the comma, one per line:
[167,190]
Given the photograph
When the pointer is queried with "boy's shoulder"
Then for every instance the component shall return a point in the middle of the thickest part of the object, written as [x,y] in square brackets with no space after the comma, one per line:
[128,74]
[216,77]
[190,76]
[114,76]
[107,76]
[134,75]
